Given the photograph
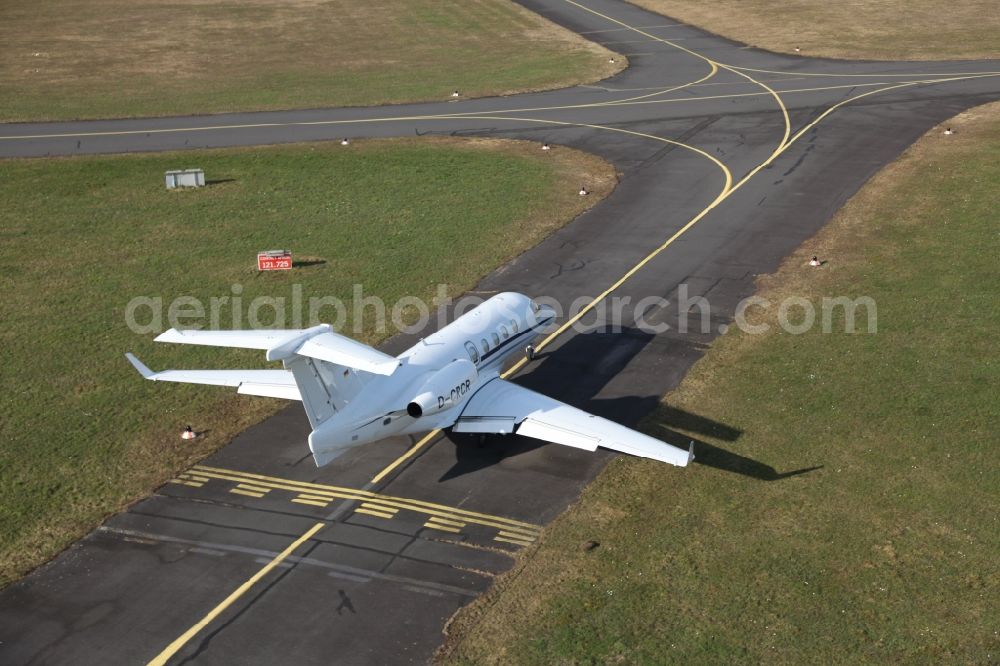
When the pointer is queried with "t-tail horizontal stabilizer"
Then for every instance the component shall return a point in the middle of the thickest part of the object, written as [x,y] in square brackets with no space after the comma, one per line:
[319,342]
[267,383]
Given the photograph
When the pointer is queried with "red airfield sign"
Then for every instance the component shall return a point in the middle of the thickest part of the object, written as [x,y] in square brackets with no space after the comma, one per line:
[274,260]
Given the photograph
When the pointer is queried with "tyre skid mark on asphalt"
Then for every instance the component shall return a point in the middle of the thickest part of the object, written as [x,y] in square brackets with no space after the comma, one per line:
[464,114]
[353,573]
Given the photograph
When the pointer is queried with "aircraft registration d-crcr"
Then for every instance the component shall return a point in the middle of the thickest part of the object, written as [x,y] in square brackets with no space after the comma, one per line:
[354,394]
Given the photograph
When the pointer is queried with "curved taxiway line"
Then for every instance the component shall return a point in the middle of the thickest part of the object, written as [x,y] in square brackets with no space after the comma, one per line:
[748,109]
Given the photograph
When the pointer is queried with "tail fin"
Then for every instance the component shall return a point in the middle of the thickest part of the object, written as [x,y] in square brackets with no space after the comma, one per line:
[326,388]
[324,364]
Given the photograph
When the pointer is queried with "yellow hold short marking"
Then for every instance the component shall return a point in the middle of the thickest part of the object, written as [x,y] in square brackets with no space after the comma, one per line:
[318,498]
[256,489]
[379,507]
[516,536]
[248,493]
[514,541]
[443,528]
[445,521]
[184,482]
[306,501]
[377,514]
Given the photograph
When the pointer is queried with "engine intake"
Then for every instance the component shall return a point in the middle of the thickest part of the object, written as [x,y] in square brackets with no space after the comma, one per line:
[446,388]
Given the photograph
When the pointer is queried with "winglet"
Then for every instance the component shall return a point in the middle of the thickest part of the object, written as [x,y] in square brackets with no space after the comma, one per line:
[171,335]
[139,365]
[690,453]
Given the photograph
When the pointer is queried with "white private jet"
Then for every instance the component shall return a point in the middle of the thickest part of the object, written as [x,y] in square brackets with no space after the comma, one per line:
[354,394]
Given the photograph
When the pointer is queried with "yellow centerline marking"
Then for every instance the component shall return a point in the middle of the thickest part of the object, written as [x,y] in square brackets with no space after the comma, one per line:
[473,114]
[715,64]
[413,450]
[506,536]
[819,74]
[644,27]
[838,105]
[406,456]
[639,100]
[682,100]
[727,174]
[782,146]
[207,128]
[693,84]
[727,191]
[182,640]
[713,70]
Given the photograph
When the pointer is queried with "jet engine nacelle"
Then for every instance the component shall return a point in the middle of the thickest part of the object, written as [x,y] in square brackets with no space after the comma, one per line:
[446,388]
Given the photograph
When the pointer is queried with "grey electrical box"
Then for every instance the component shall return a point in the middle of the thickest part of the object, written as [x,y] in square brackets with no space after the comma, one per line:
[185,178]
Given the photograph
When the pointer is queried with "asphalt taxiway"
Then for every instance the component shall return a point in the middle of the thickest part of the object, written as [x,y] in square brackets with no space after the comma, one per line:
[730,158]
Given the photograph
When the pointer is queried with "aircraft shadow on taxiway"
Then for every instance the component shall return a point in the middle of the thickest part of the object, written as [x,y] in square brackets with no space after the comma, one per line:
[613,351]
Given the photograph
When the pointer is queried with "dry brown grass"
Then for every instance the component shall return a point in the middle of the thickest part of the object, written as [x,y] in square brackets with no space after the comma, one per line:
[861,29]
[107,58]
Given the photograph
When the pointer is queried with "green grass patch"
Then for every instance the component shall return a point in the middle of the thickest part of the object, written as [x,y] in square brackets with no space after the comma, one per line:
[68,59]
[82,433]
[888,553]
[863,29]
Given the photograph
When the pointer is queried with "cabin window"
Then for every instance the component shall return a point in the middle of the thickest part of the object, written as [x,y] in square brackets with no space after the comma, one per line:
[486,346]
[496,339]
[513,325]
[504,333]
[473,353]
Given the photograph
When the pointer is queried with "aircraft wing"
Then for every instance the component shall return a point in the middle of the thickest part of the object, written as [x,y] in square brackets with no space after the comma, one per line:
[268,383]
[503,407]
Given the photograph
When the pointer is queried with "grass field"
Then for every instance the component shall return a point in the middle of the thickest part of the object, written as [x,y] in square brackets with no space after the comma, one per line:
[863,29]
[82,433]
[885,554]
[66,59]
